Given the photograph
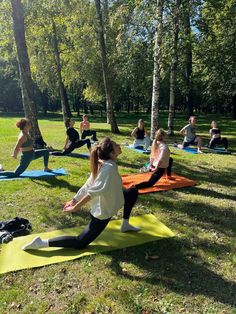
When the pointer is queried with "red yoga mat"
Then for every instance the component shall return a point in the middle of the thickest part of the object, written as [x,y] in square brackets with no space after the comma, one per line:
[163,184]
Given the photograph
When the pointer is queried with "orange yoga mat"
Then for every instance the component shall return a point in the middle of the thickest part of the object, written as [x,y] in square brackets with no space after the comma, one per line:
[162,185]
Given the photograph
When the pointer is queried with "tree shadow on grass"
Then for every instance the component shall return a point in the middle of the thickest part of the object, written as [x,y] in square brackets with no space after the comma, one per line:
[176,269]
[56,182]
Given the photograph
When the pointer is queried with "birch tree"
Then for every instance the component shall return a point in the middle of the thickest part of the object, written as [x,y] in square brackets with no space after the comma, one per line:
[157,69]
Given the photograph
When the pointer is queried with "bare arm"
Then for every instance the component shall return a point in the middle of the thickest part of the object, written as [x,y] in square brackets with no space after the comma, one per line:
[66,142]
[182,131]
[19,143]
[78,205]
[81,127]
[134,133]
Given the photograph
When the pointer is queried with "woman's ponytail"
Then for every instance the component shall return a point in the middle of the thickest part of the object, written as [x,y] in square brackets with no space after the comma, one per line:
[94,161]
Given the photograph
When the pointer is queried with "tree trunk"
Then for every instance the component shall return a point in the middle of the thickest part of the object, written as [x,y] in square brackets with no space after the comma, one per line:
[63,94]
[100,29]
[29,106]
[157,70]
[188,59]
[173,69]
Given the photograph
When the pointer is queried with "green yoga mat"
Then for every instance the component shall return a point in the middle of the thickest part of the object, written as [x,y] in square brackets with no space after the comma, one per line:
[12,258]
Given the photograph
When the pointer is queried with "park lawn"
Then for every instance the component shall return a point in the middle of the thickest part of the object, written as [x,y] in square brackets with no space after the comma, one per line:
[194,272]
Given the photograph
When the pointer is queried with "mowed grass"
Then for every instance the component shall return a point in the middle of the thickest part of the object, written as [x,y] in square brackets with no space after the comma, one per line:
[194,272]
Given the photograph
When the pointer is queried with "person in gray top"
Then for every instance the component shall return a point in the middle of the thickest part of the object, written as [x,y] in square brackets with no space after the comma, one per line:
[190,137]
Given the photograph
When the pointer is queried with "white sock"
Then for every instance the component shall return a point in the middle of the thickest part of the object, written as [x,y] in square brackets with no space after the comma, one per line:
[35,244]
[127,227]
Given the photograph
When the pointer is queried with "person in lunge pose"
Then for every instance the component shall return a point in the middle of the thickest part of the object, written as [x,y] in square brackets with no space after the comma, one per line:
[140,135]
[72,140]
[104,189]
[25,145]
[85,129]
[216,138]
[190,137]
[160,161]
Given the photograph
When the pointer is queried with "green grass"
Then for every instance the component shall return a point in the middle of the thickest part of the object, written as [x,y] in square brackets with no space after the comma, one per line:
[195,271]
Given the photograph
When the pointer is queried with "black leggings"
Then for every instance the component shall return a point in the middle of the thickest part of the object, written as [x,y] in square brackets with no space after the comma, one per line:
[72,146]
[95,226]
[91,133]
[220,140]
[156,176]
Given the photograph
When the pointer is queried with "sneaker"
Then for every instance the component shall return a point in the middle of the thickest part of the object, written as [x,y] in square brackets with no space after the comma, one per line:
[5,237]
[1,167]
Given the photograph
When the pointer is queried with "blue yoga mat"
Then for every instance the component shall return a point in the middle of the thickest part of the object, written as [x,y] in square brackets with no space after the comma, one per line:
[191,150]
[139,150]
[37,174]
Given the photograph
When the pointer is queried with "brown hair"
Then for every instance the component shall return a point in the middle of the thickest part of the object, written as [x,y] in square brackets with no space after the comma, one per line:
[85,115]
[22,123]
[159,136]
[212,122]
[101,151]
[139,122]
[191,118]
[67,122]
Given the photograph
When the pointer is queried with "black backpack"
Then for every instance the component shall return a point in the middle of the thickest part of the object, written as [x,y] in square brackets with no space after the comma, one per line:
[16,226]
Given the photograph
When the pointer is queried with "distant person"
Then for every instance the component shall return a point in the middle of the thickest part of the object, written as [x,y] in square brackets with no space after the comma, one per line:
[72,140]
[85,129]
[104,189]
[160,161]
[216,138]
[141,138]
[28,153]
[190,137]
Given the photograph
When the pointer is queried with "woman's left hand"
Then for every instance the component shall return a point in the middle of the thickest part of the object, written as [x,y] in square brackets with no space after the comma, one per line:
[70,209]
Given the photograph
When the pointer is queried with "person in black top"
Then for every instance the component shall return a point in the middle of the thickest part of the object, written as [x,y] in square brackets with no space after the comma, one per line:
[141,139]
[216,138]
[72,140]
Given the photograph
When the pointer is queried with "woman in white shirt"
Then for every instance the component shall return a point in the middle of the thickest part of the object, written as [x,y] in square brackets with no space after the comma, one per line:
[160,161]
[104,189]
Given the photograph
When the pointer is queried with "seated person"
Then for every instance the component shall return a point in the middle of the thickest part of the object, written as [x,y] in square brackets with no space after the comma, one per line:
[85,129]
[140,136]
[72,140]
[190,137]
[160,161]
[216,138]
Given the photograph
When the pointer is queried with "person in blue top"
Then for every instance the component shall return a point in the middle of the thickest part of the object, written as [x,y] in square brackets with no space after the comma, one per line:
[28,153]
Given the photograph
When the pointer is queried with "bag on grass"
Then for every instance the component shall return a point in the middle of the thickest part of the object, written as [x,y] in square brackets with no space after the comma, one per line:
[16,226]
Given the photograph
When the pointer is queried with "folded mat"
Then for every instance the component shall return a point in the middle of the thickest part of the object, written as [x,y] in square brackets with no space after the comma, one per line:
[12,258]
[162,185]
[74,155]
[37,174]
[139,150]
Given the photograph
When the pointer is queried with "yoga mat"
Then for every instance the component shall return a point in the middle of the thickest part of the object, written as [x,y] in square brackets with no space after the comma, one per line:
[74,155]
[216,150]
[37,174]
[162,185]
[138,150]
[12,258]
[191,150]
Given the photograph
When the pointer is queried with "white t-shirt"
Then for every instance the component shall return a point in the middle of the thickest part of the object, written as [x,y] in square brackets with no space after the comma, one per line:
[106,191]
[161,156]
